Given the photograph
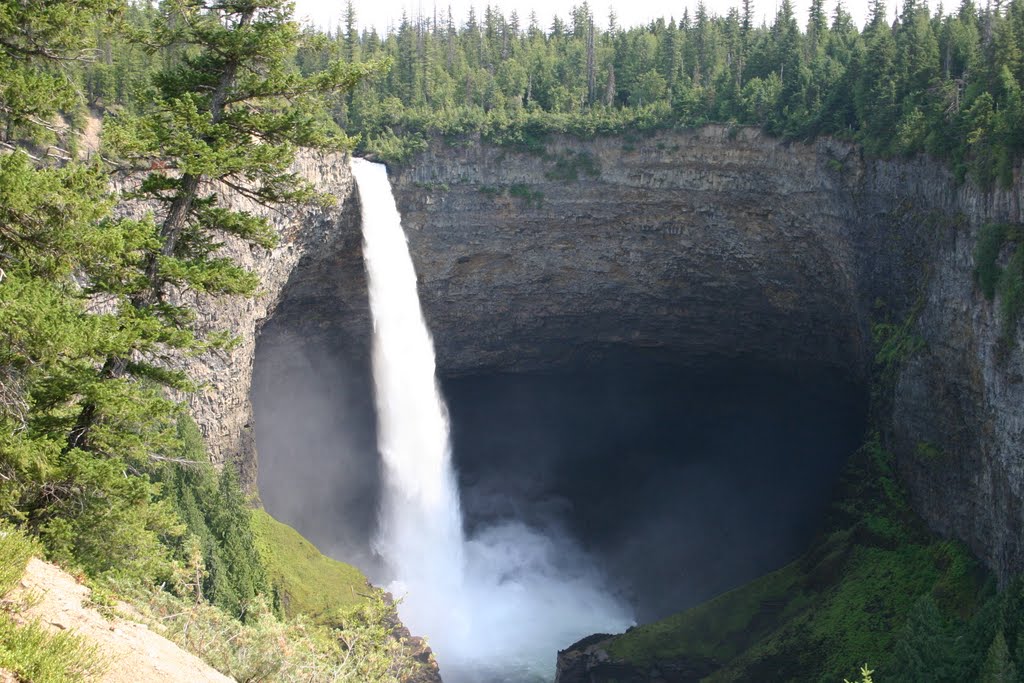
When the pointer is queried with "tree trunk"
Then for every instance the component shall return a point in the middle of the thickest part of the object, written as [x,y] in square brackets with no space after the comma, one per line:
[170,232]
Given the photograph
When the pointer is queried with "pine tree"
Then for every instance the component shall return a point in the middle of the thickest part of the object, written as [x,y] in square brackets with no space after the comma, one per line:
[925,648]
[351,35]
[998,667]
[56,234]
[234,87]
[38,41]
[817,25]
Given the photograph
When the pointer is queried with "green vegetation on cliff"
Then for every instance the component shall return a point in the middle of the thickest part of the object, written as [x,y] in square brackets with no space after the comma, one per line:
[305,581]
[878,587]
[1002,277]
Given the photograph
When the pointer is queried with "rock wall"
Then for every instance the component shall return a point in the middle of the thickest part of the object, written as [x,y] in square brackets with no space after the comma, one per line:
[693,245]
[700,246]
[957,419]
[221,407]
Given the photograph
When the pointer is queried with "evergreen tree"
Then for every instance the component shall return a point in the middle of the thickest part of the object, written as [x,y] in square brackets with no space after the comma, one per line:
[998,667]
[98,377]
[925,650]
[233,88]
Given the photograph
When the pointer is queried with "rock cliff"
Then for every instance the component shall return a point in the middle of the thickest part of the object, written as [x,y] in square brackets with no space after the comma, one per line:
[725,243]
[222,407]
[694,246]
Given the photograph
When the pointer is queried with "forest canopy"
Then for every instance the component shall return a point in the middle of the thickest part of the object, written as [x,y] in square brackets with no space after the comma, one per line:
[911,80]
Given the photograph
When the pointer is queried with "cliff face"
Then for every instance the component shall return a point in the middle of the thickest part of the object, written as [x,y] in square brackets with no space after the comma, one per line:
[696,247]
[221,407]
[693,246]
[957,419]
[723,242]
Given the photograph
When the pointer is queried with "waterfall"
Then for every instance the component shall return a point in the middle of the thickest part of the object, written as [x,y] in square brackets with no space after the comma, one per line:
[420,534]
[495,607]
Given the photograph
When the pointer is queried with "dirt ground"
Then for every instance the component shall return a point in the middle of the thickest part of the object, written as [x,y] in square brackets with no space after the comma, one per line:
[132,652]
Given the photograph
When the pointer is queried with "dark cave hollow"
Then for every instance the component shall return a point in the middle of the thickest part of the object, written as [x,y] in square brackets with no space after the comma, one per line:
[681,483]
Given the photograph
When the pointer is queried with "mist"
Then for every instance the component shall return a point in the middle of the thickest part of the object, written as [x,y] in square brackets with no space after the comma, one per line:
[648,488]
[528,588]
[316,437]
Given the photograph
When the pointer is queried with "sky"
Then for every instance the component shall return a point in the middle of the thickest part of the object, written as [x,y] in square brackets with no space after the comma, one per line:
[384,13]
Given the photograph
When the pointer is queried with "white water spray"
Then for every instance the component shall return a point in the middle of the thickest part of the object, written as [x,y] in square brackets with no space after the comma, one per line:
[495,607]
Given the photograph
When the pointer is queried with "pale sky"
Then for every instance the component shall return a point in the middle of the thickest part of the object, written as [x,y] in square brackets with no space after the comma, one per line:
[384,13]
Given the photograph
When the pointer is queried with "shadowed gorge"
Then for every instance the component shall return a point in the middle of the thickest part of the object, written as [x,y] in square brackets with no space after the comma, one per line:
[682,484]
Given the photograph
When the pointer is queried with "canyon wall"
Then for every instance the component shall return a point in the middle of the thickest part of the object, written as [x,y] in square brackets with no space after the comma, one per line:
[711,245]
[696,246]
[724,244]
[222,407]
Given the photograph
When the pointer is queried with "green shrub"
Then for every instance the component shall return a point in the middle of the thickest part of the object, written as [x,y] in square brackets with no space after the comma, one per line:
[393,148]
[1011,292]
[992,279]
[34,654]
[362,650]
[568,167]
[865,676]
[926,450]
[530,197]
[894,343]
[15,550]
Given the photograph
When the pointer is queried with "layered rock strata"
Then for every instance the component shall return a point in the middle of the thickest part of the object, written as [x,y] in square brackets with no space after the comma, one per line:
[710,245]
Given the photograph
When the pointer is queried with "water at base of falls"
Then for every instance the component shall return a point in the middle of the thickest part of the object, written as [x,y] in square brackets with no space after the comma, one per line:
[496,606]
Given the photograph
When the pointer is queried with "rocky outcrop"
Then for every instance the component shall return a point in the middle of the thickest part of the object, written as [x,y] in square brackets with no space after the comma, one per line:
[588,661]
[221,407]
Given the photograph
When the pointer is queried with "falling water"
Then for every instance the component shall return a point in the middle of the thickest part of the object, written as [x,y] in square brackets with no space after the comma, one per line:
[495,607]
[420,527]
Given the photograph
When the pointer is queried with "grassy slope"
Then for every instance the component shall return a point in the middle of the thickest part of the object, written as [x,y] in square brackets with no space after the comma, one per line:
[842,604]
[306,581]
